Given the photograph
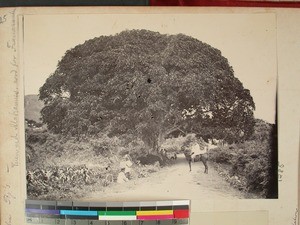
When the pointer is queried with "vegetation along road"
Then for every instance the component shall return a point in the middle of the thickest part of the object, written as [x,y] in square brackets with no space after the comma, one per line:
[169,183]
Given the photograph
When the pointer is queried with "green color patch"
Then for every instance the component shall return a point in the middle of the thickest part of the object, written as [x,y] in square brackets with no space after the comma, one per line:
[116,213]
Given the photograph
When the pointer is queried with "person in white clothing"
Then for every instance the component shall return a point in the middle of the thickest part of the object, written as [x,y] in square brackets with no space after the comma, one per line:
[195,151]
[198,149]
[127,164]
[122,177]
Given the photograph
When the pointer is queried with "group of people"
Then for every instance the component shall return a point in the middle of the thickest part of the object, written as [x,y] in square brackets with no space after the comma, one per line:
[192,149]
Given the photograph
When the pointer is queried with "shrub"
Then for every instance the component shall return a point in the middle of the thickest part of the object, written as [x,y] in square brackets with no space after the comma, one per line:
[105,145]
[174,144]
[221,155]
[65,167]
[34,137]
[250,161]
[49,180]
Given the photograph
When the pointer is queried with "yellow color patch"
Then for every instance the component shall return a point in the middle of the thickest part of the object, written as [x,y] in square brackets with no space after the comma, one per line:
[154,212]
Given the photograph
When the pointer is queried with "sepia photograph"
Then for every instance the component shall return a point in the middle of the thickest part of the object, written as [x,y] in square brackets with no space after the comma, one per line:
[133,107]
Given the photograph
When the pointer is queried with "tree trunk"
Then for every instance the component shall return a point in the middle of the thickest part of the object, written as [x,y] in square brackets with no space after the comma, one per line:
[161,139]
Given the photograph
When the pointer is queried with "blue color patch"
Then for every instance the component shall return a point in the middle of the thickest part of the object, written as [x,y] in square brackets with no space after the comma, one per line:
[78,213]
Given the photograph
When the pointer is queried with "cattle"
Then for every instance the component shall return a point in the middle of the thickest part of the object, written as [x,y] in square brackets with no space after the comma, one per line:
[150,159]
[171,155]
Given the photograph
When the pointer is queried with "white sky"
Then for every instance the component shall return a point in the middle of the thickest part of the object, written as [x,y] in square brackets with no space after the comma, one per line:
[248,41]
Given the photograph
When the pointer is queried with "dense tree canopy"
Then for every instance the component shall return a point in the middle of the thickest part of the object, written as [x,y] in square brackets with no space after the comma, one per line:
[149,85]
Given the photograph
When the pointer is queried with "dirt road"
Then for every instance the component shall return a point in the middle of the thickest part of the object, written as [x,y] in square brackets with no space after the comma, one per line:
[174,182]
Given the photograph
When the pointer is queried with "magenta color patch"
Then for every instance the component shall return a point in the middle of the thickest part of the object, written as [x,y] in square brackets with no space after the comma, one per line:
[155,217]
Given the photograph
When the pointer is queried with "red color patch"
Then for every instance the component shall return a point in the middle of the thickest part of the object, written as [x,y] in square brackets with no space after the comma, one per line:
[181,213]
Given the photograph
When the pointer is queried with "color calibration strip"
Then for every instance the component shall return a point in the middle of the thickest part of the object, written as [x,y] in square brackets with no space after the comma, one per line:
[108,213]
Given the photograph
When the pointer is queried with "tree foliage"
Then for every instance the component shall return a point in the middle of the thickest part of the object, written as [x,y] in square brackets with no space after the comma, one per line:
[148,85]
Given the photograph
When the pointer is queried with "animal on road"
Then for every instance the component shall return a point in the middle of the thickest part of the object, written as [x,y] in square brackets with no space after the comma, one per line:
[195,152]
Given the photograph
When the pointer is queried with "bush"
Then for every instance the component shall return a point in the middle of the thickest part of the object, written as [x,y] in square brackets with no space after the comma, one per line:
[221,155]
[65,167]
[249,161]
[64,179]
[105,145]
[34,137]
[257,175]
[173,144]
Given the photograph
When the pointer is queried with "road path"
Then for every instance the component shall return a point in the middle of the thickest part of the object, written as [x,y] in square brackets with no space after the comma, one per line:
[173,182]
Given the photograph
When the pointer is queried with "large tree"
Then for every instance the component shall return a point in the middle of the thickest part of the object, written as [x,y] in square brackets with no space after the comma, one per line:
[149,85]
